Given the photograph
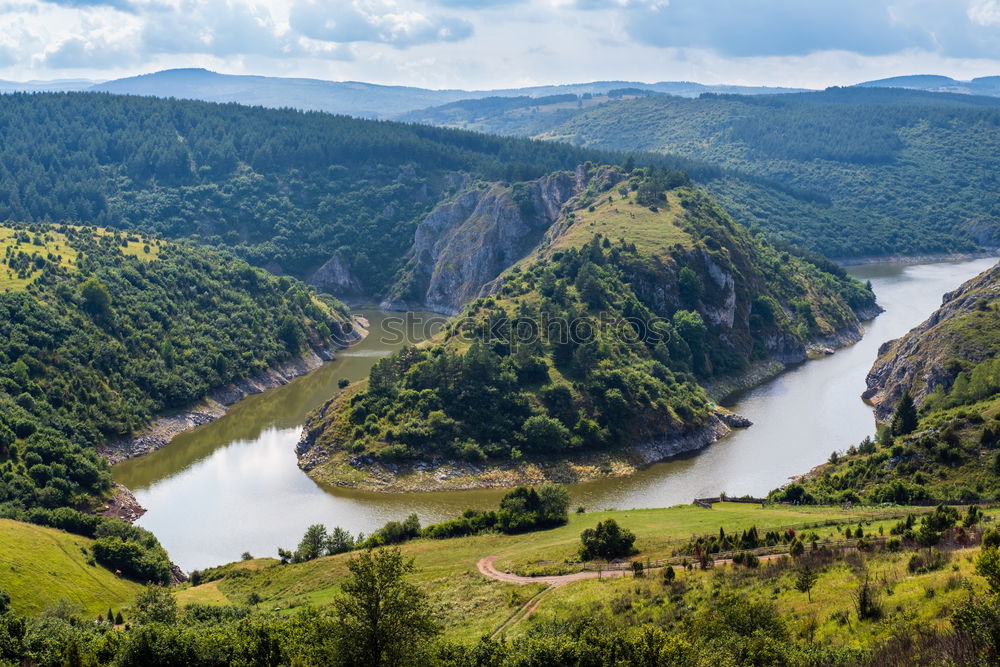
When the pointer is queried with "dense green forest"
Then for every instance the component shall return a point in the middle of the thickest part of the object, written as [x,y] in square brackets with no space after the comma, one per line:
[866,171]
[580,349]
[102,330]
[286,190]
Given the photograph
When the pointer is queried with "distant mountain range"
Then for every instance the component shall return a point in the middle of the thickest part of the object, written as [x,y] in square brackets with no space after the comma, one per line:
[344,97]
[367,100]
[56,85]
[986,85]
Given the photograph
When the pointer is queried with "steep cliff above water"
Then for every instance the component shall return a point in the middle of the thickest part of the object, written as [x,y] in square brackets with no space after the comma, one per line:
[950,364]
[465,243]
[962,333]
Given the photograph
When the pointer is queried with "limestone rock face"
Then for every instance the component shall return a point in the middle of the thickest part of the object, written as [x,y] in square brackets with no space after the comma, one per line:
[335,277]
[923,359]
[465,243]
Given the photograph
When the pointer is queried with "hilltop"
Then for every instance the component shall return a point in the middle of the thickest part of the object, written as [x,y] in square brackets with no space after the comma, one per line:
[675,296]
[984,85]
[352,98]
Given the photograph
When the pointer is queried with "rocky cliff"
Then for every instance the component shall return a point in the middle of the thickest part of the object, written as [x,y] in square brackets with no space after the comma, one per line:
[964,331]
[465,243]
[335,277]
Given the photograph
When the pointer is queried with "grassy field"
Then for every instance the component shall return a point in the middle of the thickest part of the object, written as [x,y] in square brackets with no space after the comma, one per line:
[39,567]
[621,217]
[471,605]
[910,602]
[661,531]
[47,246]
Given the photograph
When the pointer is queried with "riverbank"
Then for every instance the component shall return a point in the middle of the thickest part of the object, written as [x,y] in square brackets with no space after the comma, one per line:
[368,474]
[916,259]
[236,486]
[214,406]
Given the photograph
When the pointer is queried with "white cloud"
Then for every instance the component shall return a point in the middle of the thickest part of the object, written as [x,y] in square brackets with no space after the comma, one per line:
[216,28]
[80,53]
[505,43]
[984,12]
[382,21]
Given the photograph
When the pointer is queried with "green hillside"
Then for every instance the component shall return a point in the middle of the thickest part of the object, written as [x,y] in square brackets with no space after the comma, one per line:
[918,601]
[866,171]
[472,605]
[42,567]
[101,331]
[672,294]
[286,190]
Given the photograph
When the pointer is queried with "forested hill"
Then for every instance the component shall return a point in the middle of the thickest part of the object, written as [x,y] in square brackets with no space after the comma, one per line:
[869,171]
[286,190]
[100,331]
[673,293]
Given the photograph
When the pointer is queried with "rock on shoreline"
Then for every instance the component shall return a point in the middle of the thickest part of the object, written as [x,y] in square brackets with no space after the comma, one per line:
[122,505]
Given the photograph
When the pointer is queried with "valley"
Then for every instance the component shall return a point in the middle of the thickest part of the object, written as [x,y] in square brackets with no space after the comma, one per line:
[258,437]
[601,398]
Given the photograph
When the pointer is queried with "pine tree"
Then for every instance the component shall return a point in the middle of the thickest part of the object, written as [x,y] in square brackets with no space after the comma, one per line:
[904,419]
[806,580]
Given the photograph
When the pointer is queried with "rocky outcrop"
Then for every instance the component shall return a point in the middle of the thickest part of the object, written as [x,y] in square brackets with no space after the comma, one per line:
[216,404]
[669,445]
[465,243]
[122,505]
[335,278]
[931,355]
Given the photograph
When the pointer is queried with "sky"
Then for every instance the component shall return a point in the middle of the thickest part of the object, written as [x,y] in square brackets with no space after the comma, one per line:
[477,44]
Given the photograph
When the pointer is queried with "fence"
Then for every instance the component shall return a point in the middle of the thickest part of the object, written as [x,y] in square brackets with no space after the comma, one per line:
[776,550]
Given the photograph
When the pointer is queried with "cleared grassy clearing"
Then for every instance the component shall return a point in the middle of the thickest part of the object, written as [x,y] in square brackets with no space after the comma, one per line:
[39,567]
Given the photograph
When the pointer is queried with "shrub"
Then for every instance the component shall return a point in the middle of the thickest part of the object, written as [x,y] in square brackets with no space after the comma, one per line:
[867,602]
[606,541]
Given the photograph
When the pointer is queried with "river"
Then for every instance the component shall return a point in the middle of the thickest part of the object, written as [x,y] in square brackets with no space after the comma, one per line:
[234,485]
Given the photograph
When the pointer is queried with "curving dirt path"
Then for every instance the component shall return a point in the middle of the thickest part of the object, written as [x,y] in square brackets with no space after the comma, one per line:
[486,568]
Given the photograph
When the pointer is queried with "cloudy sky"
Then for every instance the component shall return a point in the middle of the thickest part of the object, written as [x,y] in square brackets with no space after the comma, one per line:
[501,43]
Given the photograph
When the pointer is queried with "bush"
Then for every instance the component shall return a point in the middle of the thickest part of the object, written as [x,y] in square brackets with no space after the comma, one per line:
[607,541]
[747,559]
[132,550]
[867,602]
[155,605]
